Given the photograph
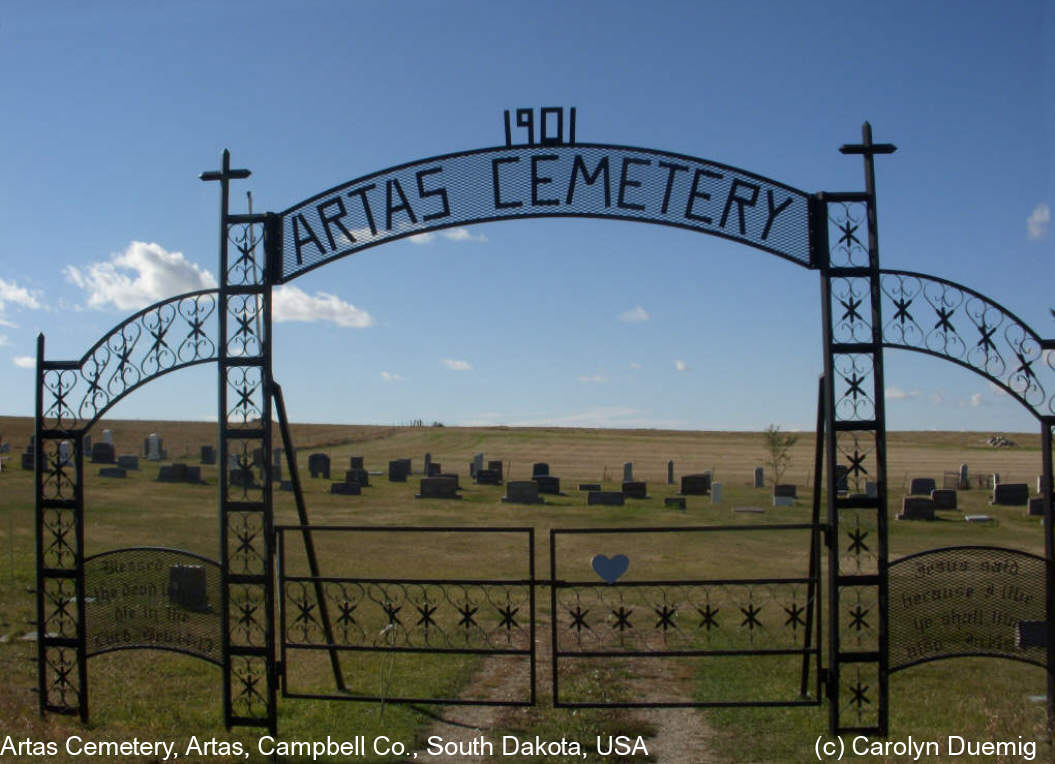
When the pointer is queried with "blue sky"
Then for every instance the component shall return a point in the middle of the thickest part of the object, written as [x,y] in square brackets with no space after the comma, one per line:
[111,109]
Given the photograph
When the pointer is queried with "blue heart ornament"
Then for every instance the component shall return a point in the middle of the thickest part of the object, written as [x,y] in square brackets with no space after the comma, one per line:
[610,569]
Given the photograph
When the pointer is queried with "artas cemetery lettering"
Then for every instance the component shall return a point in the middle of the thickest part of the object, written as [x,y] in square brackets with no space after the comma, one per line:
[582,180]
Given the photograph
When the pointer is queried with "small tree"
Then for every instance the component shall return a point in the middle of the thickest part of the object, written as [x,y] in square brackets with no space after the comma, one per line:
[778,450]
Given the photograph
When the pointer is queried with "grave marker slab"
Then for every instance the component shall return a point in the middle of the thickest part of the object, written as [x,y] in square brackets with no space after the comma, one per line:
[65,453]
[943,498]
[696,485]
[208,455]
[172,473]
[346,489]
[103,453]
[319,465]
[356,463]
[716,493]
[1036,507]
[921,486]
[917,508]
[842,477]
[488,477]
[438,488]
[108,436]
[435,469]
[451,476]
[760,477]
[1010,494]
[678,502]
[589,486]
[670,472]
[359,476]
[605,498]
[522,492]
[635,489]
[539,468]
[964,482]
[496,466]
[786,490]
[628,472]
[112,472]
[548,484]
[128,462]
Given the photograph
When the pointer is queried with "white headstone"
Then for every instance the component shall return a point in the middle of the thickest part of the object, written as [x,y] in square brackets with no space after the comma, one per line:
[154,447]
[108,436]
[996,478]
[716,493]
[64,453]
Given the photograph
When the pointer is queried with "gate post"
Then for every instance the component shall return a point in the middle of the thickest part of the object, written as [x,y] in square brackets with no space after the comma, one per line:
[245,499]
[855,445]
[1047,492]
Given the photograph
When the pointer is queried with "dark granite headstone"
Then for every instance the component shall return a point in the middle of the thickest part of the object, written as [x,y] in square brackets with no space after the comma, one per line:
[605,498]
[1010,494]
[670,473]
[258,457]
[435,469]
[346,489]
[319,465]
[678,502]
[112,472]
[188,588]
[192,474]
[29,460]
[172,473]
[696,485]
[496,465]
[103,453]
[944,498]
[438,488]
[917,508]
[548,484]
[921,486]
[1036,506]
[522,492]
[208,455]
[128,462]
[360,476]
[635,489]
[786,490]
[357,463]
[539,468]
[452,476]
[842,476]
[760,477]
[589,486]
[488,477]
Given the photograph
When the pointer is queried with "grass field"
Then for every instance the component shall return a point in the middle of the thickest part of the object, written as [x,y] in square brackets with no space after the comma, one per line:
[162,696]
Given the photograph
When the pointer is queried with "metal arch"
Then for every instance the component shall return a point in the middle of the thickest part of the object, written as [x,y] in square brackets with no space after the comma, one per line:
[1005,349]
[778,212]
[135,352]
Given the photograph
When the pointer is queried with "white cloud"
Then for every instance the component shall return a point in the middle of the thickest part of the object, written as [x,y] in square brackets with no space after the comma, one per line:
[390,377]
[25,361]
[996,389]
[635,315]
[897,394]
[454,234]
[635,365]
[453,365]
[681,365]
[292,304]
[10,292]
[1038,221]
[4,341]
[141,275]
[602,416]
[596,379]
[975,400]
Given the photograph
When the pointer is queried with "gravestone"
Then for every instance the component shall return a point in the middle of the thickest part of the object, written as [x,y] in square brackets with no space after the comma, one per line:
[319,465]
[172,473]
[346,489]
[103,453]
[360,476]
[112,472]
[1036,507]
[428,463]
[127,462]
[786,489]
[678,502]
[760,477]
[276,472]
[435,469]
[548,484]
[438,488]
[398,469]
[86,444]
[1010,494]
[522,492]
[996,479]
[477,465]
[208,455]
[192,475]
[488,477]
[696,485]
[29,460]
[108,436]
[496,466]
[258,457]
[950,481]
[871,489]
[276,457]
[916,508]
[964,483]
[628,472]
[978,518]
[188,588]
[943,498]
[670,472]
[357,463]
[842,476]
[589,486]
[539,468]
[153,447]
[452,476]
[605,498]
[921,486]
[65,453]
[716,493]
[635,489]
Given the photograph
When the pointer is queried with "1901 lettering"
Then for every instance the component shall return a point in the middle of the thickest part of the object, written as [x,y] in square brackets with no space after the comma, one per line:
[550,124]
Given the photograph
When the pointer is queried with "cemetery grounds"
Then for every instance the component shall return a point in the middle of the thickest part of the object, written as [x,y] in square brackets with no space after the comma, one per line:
[164,696]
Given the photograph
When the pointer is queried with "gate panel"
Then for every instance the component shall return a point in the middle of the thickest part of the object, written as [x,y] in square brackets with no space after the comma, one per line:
[403,633]
[716,636]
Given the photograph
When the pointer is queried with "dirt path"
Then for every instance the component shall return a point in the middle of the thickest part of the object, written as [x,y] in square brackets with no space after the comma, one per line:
[680,734]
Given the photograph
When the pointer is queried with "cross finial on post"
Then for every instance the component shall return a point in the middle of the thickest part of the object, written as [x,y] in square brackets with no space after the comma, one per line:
[225,173]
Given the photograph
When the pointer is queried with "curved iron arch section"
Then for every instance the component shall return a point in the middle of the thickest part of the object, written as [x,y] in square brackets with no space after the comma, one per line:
[143,347]
[569,180]
[948,320]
